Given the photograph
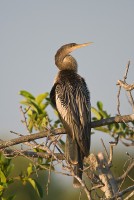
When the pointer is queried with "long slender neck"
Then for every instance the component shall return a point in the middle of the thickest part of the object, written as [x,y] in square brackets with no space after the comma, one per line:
[64,61]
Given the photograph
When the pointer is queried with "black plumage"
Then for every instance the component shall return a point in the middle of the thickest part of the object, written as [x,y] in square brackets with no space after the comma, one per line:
[70,97]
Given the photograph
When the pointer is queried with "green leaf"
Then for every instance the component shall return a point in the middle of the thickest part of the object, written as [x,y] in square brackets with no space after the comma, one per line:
[36,107]
[30,169]
[96,113]
[30,126]
[25,102]
[33,104]
[41,97]
[44,122]
[123,125]
[110,126]
[104,114]
[1,188]
[117,126]
[100,105]
[26,94]
[2,177]
[36,186]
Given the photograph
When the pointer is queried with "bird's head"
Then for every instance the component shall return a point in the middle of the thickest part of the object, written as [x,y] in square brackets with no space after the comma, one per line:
[63,60]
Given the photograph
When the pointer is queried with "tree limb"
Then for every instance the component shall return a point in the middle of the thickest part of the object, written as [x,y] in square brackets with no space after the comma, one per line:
[50,133]
[120,194]
[28,138]
[12,153]
[111,120]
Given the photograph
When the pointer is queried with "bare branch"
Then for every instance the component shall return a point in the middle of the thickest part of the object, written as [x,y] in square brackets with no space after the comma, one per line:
[28,138]
[96,186]
[119,179]
[126,86]
[120,194]
[126,72]
[84,187]
[12,153]
[50,133]
[112,144]
[111,120]
[110,186]
[118,94]
[105,177]
[129,196]
[24,117]
[106,152]
[118,100]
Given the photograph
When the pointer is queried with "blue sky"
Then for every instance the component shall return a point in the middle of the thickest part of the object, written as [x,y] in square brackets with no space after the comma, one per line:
[31,32]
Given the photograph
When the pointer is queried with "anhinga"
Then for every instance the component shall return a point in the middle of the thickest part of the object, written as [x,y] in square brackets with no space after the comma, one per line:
[70,97]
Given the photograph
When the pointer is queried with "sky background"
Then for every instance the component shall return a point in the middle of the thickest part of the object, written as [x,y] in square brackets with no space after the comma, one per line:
[32,31]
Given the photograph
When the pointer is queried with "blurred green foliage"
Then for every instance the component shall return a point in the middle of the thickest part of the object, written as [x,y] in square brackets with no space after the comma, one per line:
[116,129]
[6,168]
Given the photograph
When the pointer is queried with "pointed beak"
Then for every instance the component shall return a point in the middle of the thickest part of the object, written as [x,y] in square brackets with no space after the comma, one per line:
[84,45]
[81,45]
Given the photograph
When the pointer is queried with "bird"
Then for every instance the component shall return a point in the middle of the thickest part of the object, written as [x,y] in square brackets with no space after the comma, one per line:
[71,98]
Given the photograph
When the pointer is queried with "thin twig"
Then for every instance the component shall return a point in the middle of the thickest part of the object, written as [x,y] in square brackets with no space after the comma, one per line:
[118,100]
[84,187]
[129,196]
[112,144]
[120,194]
[123,176]
[126,71]
[96,187]
[131,100]
[24,117]
[106,152]
[119,90]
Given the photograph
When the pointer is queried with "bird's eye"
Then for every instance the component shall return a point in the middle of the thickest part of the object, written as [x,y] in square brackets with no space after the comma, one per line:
[73,44]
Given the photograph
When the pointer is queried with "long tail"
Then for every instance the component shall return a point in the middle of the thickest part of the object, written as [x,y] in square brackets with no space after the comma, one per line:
[78,169]
[75,157]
